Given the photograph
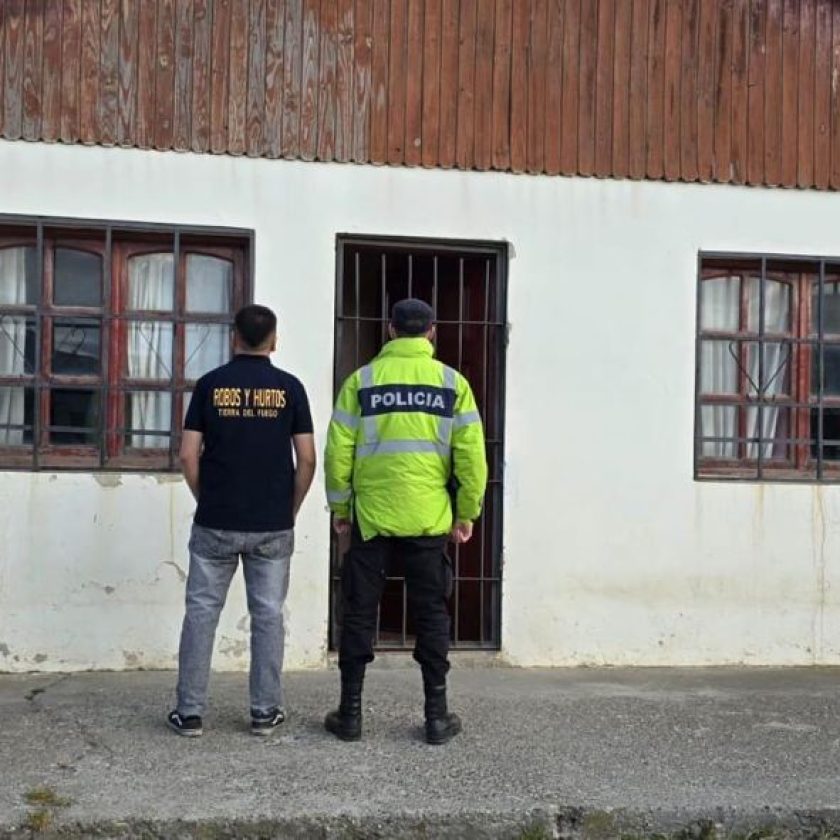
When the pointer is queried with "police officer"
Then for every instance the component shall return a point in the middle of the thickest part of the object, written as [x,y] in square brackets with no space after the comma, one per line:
[403,427]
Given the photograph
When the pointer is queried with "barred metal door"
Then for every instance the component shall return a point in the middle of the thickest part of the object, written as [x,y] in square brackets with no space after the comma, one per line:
[465,283]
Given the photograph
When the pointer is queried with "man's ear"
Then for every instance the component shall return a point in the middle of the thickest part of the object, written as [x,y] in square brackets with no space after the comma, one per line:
[274,343]
[430,335]
[392,333]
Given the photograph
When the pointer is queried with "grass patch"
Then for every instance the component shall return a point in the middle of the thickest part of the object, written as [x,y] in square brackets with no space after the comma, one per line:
[39,821]
[534,832]
[46,798]
[599,825]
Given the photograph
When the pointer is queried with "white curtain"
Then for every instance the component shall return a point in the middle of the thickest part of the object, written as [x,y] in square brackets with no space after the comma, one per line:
[209,281]
[720,306]
[12,343]
[774,369]
[151,285]
[209,288]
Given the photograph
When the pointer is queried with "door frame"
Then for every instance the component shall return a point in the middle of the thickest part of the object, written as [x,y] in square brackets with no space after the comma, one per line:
[499,253]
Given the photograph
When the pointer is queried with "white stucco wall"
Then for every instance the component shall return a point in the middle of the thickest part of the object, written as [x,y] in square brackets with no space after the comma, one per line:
[613,554]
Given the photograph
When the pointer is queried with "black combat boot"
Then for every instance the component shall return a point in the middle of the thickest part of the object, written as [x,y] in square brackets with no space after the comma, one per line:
[346,721]
[441,725]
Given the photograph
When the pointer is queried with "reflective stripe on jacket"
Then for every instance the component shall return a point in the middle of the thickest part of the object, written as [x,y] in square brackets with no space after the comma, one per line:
[402,426]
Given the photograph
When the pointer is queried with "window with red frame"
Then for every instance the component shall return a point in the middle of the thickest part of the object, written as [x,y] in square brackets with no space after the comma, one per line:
[104,329]
[768,377]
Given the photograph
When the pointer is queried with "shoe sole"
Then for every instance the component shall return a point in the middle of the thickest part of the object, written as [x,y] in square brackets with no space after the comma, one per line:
[343,736]
[185,733]
[444,739]
[264,733]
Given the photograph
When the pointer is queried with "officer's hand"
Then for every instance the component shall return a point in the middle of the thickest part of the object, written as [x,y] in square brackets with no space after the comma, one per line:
[462,532]
[341,526]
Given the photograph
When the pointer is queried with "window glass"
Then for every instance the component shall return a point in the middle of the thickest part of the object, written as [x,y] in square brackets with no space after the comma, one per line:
[18,280]
[209,284]
[78,278]
[151,283]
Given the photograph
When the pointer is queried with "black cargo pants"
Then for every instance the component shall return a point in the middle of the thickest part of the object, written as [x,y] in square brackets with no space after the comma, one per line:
[428,574]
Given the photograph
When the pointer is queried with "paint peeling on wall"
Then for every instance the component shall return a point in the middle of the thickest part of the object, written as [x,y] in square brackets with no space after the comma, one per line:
[108,480]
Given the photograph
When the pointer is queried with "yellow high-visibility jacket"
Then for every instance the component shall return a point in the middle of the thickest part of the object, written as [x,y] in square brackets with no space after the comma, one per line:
[403,425]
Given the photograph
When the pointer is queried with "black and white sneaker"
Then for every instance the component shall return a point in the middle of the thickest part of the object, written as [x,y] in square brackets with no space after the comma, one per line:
[189,727]
[264,723]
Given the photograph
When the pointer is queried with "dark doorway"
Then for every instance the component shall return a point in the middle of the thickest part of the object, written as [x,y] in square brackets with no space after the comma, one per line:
[466,285]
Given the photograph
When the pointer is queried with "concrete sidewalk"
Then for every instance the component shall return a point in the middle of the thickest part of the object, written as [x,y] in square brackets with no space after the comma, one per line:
[568,753]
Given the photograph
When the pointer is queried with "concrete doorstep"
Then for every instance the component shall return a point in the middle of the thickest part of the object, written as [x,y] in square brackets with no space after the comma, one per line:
[583,753]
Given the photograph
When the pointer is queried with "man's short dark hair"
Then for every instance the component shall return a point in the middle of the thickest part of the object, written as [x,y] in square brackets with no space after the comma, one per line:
[412,317]
[254,324]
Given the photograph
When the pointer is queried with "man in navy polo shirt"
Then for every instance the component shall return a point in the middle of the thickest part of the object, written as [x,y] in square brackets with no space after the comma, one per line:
[244,422]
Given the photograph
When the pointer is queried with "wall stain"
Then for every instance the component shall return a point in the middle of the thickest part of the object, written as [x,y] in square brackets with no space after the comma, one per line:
[167,478]
[108,480]
[4,649]
[233,647]
[40,657]
[819,533]
[132,659]
[758,514]
[106,588]
[182,575]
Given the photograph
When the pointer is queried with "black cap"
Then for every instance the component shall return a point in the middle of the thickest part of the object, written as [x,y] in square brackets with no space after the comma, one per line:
[412,317]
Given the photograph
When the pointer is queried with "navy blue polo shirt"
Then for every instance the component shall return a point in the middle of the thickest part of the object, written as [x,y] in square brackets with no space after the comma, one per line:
[248,410]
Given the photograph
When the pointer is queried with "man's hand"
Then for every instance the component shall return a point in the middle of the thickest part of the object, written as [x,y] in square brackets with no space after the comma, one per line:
[341,526]
[462,532]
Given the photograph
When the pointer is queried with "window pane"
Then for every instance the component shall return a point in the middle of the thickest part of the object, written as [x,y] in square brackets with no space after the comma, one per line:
[18,281]
[76,414]
[209,284]
[149,354]
[17,345]
[16,415]
[720,303]
[76,347]
[830,436]
[831,307]
[719,421]
[831,370]
[777,300]
[718,367]
[151,283]
[208,346]
[775,371]
[148,411]
[78,278]
[772,434]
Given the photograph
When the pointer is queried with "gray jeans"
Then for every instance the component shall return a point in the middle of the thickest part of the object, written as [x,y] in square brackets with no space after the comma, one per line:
[214,556]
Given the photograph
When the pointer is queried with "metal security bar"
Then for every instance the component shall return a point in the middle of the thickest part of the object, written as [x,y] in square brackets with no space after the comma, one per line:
[466,285]
[767,392]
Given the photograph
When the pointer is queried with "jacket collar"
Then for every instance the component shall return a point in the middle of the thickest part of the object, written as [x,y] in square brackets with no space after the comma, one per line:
[408,347]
